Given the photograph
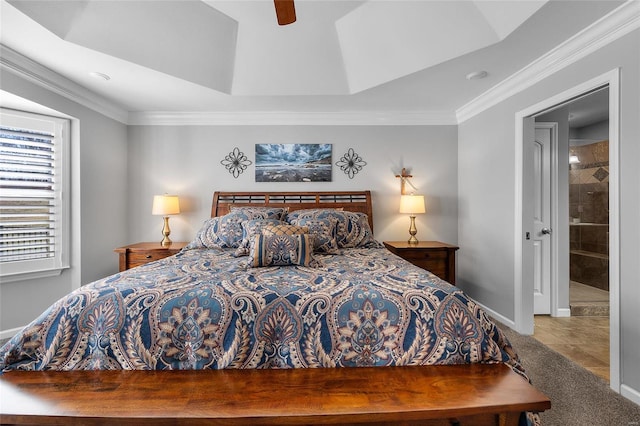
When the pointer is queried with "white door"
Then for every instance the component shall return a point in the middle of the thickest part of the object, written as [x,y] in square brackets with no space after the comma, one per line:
[543,146]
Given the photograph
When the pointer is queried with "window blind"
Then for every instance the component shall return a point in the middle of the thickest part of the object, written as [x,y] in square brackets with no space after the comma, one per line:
[34,211]
[27,204]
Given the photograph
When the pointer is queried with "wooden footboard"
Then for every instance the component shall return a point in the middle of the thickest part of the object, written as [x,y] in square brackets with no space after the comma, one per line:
[440,395]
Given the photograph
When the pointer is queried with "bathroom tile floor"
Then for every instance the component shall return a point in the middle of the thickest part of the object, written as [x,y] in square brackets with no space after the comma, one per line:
[581,293]
[582,339]
[588,301]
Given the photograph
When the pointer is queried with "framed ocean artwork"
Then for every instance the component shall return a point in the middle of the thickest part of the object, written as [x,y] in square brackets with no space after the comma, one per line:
[293,162]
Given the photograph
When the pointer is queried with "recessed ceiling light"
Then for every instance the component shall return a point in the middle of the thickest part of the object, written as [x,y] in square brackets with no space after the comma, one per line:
[477,75]
[99,75]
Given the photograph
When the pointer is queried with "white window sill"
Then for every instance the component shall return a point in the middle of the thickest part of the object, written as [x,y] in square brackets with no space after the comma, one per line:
[33,275]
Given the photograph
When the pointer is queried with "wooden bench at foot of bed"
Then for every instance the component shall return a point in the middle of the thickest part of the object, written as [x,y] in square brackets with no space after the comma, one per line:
[439,395]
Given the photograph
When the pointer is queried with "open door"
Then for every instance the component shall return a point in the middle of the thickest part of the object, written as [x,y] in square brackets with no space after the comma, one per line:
[524,226]
[542,151]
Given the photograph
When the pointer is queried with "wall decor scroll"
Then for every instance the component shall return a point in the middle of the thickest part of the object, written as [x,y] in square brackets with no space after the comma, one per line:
[351,163]
[404,179]
[236,162]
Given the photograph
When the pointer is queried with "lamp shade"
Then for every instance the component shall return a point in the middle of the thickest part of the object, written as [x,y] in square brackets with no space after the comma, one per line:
[412,204]
[164,205]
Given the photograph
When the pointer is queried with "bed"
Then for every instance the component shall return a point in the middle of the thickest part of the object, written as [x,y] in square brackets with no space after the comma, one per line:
[273,281]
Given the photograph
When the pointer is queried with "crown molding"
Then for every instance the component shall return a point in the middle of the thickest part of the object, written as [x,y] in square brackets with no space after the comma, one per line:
[291,118]
[32,71]
[616,24]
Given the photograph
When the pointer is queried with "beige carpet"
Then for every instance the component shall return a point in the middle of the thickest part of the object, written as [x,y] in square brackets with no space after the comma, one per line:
[578,397]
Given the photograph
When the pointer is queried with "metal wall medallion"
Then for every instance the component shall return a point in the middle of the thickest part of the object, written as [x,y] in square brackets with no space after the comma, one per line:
[236,162]
[351,163]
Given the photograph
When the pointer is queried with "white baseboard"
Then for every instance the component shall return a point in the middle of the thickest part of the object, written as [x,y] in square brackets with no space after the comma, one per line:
[498,317]
[8,334]
[630,393]
[563,313]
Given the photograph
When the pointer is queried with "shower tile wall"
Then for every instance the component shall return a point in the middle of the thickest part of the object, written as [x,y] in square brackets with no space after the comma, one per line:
[589,211]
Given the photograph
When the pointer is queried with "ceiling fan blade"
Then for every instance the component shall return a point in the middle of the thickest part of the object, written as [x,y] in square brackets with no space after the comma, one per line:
[285,11]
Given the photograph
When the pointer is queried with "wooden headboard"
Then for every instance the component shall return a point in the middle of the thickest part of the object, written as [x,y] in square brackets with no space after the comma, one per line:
[354,201]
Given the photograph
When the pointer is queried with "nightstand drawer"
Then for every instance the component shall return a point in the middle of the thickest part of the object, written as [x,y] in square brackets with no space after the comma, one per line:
[434,256]
[435,266]
[137,259]
[141,253]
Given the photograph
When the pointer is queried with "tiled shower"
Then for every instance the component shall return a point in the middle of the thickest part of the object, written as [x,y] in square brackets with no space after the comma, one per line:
[589,214]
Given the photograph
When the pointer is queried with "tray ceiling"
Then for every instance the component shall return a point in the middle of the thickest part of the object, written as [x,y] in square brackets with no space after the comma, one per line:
[191,55]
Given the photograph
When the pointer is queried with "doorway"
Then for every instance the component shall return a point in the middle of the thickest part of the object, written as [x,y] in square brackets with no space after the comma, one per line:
[584,122]
[525,124]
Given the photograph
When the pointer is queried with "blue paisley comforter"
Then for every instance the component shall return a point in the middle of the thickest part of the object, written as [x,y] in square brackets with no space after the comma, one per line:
[206,308]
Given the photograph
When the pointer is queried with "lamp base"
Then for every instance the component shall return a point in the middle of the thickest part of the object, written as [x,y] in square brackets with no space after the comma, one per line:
[413,231]
[165,232]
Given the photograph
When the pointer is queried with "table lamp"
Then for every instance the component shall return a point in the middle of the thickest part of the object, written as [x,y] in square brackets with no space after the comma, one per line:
[412,204]
[165,205]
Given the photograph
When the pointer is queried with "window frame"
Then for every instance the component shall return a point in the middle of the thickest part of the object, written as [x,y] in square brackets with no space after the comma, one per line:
[53,266]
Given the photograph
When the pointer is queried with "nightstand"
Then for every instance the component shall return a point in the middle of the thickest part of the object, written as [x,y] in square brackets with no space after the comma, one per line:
[434,256]
[140,253]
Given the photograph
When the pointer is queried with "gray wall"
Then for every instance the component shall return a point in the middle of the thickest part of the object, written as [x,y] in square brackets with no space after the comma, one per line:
[186,161]
[487,197]
[98,205]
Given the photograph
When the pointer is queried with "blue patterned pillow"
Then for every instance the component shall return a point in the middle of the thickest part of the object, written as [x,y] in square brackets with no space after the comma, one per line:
[359,225]
[226,231]
[323,232]
[285,229]
[214,233]
[249,229]
[352,229]
[281,250]
[320,214]
[261,212]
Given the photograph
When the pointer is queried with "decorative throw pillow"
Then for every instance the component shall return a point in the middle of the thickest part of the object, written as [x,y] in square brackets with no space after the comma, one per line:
[340,217]
[265,212]
[352,229]
[249,229]
[323,231]
[318,214]
[284,229]
[217,233]
[226,231]
[281,250]
[361,232]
